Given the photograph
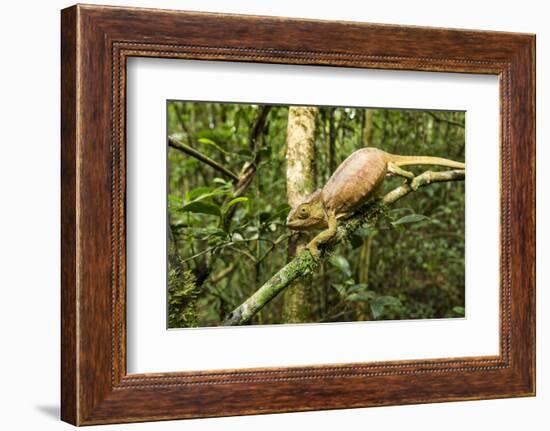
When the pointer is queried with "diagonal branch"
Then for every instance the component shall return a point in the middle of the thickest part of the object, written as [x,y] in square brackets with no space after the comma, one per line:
[242,181]
[174,143]
[304,263]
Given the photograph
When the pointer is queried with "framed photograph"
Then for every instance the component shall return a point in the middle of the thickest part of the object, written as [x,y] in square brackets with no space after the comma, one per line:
[283,215]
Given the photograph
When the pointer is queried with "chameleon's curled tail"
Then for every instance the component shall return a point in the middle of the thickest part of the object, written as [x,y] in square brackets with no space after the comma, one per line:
[424,160]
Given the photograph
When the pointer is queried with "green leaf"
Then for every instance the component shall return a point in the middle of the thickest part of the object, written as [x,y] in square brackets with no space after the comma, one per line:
[360,296]
[359,287]
[379,304]
[411,218]
[174,200]
[376,310]
[242,153]
[237,237]
[201,208]
[458,310]
[198,192]
[233,202]
[358,292]
[208,141]
[340,288]
[341,263]
[206,195]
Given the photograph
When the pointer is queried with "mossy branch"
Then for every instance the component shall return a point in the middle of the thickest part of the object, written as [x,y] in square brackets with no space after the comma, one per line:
[304,263]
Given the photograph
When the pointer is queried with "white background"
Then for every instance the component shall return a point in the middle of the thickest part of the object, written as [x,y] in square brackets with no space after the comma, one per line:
[151,348]
[29,220]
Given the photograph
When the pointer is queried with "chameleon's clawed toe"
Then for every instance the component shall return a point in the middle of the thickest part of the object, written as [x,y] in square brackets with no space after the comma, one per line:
[414,185]
[313,250]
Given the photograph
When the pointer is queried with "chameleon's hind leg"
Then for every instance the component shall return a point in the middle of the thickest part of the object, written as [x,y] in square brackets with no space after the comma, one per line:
[393,169]
[396,170]
[323,237]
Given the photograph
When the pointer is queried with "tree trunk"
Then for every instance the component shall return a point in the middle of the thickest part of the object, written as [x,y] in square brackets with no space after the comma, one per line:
[363,263]
[300,182]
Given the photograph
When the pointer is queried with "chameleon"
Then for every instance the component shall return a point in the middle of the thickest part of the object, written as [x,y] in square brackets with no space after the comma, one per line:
[358,179]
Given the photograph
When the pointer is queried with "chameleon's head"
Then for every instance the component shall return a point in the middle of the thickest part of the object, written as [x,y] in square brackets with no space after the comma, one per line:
[308,214]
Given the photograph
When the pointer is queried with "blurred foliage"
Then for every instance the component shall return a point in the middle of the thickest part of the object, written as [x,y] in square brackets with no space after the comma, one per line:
[229,246]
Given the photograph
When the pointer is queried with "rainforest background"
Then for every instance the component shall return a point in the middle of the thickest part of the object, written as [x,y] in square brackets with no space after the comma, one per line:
[229,197]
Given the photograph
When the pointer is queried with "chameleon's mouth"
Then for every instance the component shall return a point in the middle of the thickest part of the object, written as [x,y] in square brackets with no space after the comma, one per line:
[299,225]
[294,224]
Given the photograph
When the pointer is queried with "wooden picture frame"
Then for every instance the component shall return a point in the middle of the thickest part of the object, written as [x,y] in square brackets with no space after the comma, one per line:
[95,43]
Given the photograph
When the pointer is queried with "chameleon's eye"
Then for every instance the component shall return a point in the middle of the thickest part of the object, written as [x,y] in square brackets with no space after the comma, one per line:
[303,213]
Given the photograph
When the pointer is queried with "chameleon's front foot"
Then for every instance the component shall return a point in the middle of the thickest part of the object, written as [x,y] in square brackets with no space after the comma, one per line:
[323,237]
[313,249]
